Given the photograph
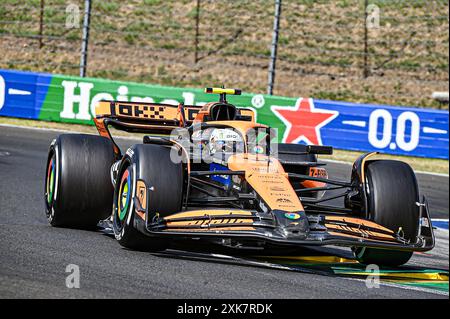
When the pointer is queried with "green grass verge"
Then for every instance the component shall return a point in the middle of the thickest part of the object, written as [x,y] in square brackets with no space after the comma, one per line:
[417,163]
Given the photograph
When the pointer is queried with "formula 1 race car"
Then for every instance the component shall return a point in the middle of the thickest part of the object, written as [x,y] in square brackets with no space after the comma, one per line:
[211,173]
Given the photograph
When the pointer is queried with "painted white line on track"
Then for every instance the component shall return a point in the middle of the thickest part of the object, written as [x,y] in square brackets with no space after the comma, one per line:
[335,161]
[39,128]
[430,173]
[133,138]
[417,172]
[61,130]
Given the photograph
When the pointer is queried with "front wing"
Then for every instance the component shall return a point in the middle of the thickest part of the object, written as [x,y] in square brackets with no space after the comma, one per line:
[282,229]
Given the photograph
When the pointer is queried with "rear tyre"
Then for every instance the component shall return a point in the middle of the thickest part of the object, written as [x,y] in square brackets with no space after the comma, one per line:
[78,190]
[152,165]
[392,193]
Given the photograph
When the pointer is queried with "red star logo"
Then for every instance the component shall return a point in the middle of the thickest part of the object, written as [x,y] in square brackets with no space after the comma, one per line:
[303,121]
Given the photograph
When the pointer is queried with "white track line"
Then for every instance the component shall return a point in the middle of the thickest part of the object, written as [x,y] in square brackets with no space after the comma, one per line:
[430,173]
[131,138]
[60,130]
[39,128]
[417,172]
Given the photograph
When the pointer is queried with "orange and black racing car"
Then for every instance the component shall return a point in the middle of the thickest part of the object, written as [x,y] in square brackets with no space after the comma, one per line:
[211,173]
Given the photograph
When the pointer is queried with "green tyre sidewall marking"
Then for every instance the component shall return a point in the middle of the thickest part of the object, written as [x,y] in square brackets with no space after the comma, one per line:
[50,181]
[124,187]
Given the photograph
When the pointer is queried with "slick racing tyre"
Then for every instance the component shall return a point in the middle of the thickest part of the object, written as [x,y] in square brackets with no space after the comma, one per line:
[392,193]
[149,165]
[78,190]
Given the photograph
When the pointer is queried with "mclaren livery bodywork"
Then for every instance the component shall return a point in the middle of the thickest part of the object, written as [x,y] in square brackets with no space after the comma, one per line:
[211,173]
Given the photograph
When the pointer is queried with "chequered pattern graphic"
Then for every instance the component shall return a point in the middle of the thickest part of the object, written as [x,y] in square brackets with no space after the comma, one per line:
[153,112]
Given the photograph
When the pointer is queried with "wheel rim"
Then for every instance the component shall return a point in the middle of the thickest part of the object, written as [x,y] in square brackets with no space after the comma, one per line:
[123,198]
[50,181]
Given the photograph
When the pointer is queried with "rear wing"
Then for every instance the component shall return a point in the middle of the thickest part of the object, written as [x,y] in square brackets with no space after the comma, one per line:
[145,117]
[152,118]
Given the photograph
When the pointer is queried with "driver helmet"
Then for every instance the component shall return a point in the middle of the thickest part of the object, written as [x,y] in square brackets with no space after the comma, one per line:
[225,141]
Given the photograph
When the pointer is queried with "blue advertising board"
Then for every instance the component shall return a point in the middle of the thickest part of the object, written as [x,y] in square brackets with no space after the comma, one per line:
[364,127]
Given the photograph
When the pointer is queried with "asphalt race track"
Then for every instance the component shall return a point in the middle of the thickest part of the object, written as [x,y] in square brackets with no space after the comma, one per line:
[34,256]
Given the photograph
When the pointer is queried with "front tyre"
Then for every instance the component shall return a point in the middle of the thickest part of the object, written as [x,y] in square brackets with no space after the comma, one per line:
[123,214]
[151,165]
[392,194]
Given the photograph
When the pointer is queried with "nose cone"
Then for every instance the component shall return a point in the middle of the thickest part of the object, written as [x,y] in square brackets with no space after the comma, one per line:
[292,225]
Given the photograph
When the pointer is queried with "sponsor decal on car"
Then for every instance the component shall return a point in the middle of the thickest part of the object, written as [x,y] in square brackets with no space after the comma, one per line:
[283,200]
[292,216]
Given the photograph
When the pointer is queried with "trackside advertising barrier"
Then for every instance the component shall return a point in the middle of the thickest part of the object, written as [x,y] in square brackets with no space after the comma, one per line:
[350,126]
